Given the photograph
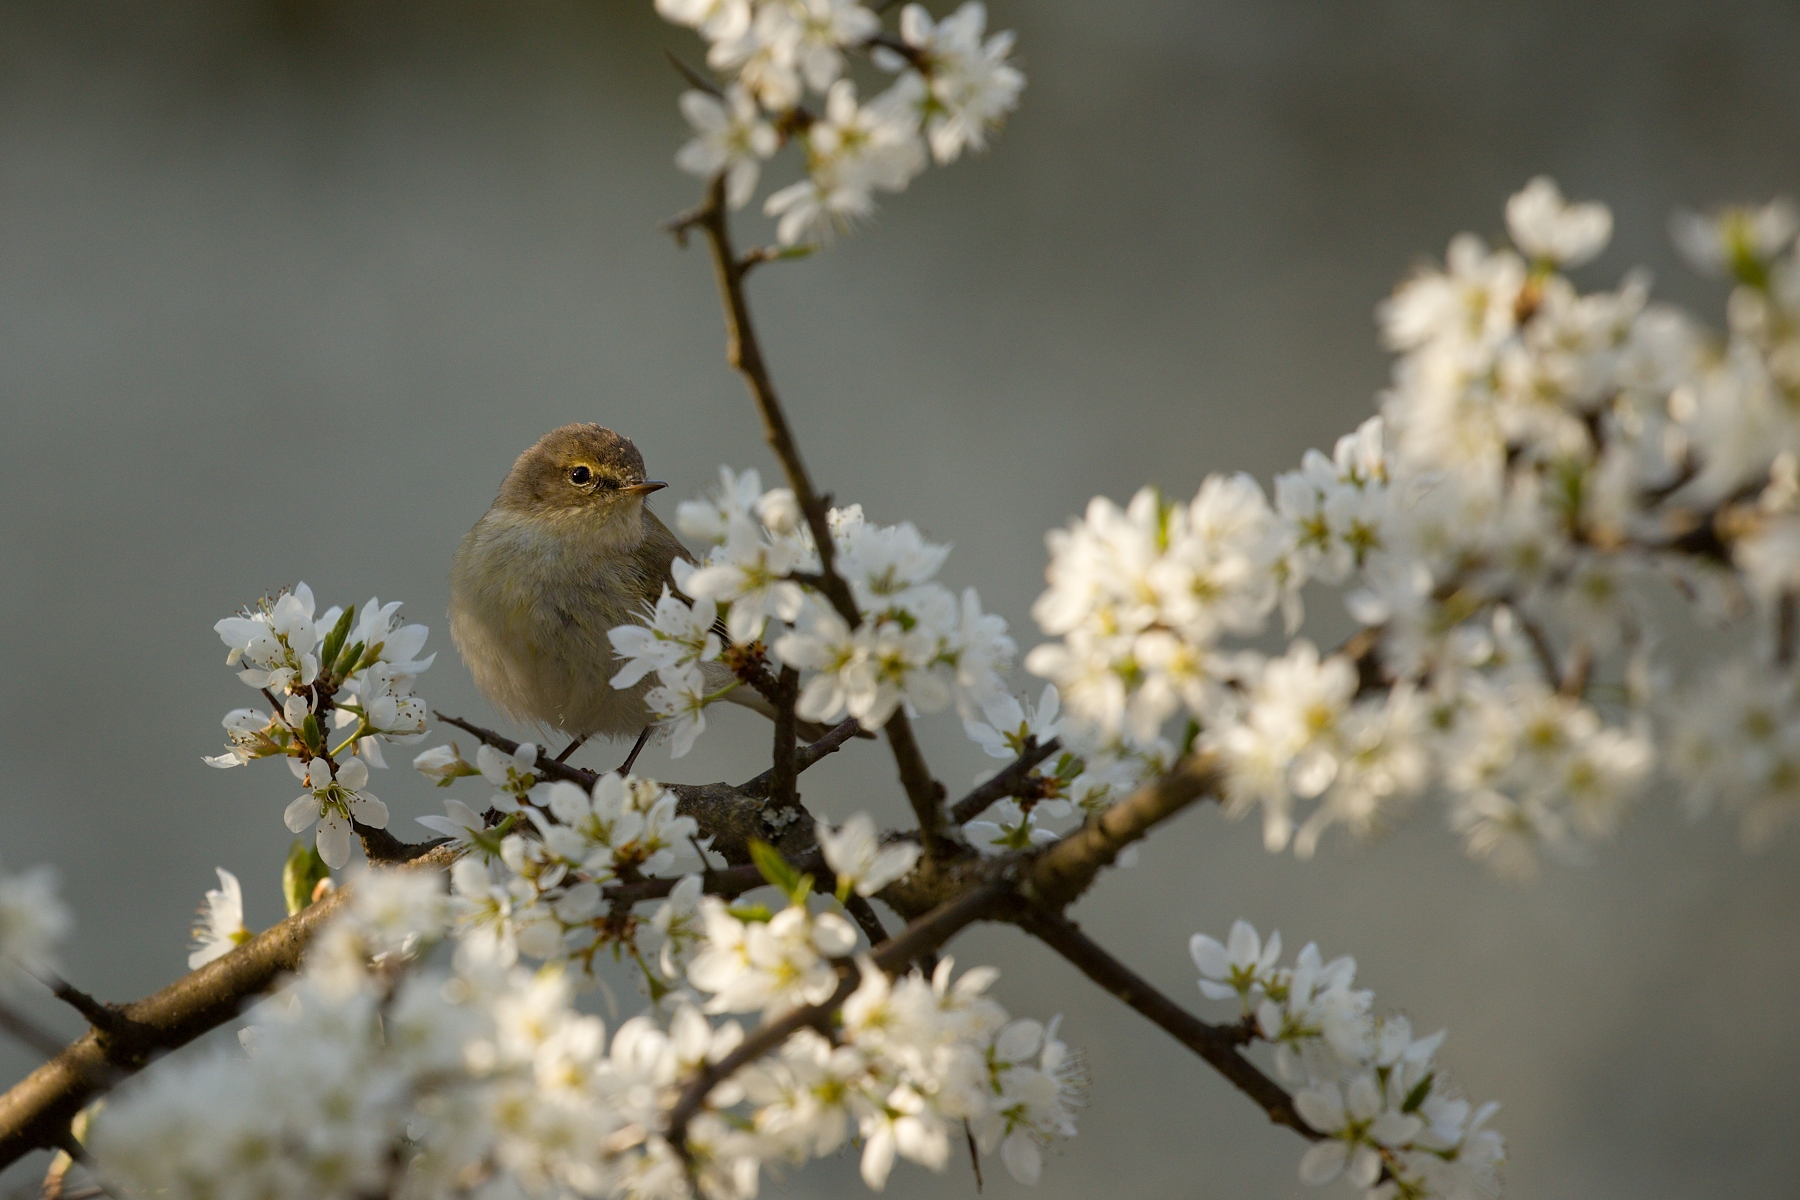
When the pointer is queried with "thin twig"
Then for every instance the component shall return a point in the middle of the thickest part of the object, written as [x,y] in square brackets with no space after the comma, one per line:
[693,76]
[833,739]
[1011,778]
[545,767]
[866,919]
[1541,647]
[744,352]
[927,933]
[1217,1044]
[974,1153]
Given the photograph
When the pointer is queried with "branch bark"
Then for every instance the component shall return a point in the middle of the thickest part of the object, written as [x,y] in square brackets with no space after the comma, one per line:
[785,771]
[38,1109]
[1007,783]
[744,352]
[1217,1044]
[1066,868]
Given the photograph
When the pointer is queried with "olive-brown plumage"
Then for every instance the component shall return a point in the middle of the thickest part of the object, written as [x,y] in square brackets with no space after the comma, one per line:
[567,552]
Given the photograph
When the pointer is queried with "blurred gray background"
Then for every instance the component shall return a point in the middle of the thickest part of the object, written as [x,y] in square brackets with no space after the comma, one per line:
[286,284]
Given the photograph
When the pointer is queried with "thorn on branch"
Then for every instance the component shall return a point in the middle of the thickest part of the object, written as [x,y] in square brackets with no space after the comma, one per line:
[104,1017]
[694,77]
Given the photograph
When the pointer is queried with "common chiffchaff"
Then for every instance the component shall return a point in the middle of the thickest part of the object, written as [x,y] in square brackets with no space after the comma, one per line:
[567,552]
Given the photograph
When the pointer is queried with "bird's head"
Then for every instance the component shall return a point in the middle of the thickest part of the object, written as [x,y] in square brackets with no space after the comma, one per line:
[584,472]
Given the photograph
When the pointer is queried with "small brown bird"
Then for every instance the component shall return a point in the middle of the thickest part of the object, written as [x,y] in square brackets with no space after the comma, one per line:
[567,552]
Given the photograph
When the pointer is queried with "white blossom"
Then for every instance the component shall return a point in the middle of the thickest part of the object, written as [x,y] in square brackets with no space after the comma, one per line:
[730,138]
[220,928]
[855,854]
[1551,230]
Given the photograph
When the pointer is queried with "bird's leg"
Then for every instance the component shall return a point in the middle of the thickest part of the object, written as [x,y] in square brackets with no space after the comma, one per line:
[572,747]
[636,749]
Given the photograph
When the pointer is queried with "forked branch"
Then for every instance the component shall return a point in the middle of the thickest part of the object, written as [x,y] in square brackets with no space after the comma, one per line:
[744,352]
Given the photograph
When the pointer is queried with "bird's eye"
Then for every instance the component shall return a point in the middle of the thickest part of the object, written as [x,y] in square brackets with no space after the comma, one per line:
[580,476]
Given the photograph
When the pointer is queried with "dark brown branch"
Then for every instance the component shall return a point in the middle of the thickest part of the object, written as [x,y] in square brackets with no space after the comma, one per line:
[384,849]
[1008,782]
[38,1108]
[1217,1044]
[756,788]
[744,353]
[1066,868]
[866,919]
[546,768]
[728,883]
[806,756]
[922,936]
[784,773]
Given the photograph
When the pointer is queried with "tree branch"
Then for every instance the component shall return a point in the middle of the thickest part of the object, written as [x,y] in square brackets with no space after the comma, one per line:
[1217,1044]
[1066,868]
[806,756]
[1007,783]
[744,352]
[38,1108]
[922,936]
[785,771]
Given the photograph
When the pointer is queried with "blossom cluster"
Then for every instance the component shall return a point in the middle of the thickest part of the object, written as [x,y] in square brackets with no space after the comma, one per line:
[953,87]
[323,674]
[383,1069]
[535,888]
[1389,1119]
[1547,464]
[916,644]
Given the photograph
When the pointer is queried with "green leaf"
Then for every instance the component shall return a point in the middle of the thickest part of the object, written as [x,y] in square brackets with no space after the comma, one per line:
[301,875]
[1417,1096]
[782,874]
[334,641]
[1189,736]
[309,733]
[346,661]
[751,912]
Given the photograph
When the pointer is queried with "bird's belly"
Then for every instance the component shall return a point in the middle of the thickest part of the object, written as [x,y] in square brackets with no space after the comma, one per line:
[543,663]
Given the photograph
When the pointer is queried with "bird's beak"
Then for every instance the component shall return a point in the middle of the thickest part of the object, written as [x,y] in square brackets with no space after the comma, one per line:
[644,488]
